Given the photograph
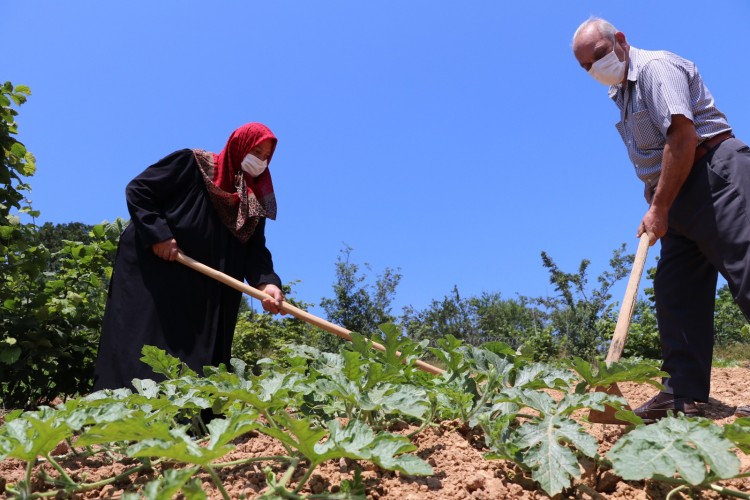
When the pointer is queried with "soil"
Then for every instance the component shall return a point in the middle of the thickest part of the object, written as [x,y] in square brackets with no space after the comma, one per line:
[455,453]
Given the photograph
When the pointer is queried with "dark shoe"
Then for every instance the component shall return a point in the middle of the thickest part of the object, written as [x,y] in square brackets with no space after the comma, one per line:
[660,405]
[742,411]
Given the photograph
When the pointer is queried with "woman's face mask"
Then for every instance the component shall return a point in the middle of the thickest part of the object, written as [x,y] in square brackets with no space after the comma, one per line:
[253,165]
[609,70]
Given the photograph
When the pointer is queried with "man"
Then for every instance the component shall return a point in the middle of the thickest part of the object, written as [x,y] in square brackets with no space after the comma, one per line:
[697,182]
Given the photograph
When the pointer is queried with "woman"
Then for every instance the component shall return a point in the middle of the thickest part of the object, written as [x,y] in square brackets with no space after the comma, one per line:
[212,207]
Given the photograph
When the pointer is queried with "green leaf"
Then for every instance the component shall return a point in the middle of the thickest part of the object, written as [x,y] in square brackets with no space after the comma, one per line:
[738,432]
[690,447]
[543,376]
[167,486]
[164,364]
[9,355]
[7,231]
[401,398]
[487,364]
[79,412]
[302,434]
[137,427]
[18,150]
[624,371]
[98,230]
[388,452]
[222,431]
[553,464]
[358,441]
[539,401]
[179,446]
[32,435]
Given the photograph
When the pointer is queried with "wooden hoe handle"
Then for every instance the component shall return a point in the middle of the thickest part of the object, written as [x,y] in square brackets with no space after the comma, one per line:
[628,303]
[287,307]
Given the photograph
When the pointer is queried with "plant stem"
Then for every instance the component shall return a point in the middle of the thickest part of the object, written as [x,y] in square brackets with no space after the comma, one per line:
[425,423]
[727,491]
[64,475]
[304,479]
[489,388]
[98,484]
[675,490]
[526,415]
[283,458]
[29,469]
[217,481]
[279,487]
[721,489]
[273,424]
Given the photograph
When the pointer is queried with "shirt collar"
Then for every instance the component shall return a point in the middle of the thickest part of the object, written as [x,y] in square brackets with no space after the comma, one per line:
[633,55]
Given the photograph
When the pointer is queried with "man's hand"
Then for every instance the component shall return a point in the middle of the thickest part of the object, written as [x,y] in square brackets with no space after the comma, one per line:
[655,223]
[166,249]
[272,305]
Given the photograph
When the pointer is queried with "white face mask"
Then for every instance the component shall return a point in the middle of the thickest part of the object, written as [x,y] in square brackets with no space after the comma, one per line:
[608,70]
[254,165]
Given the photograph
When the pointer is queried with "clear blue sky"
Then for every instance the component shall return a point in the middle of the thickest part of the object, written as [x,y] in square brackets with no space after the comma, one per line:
[452,140]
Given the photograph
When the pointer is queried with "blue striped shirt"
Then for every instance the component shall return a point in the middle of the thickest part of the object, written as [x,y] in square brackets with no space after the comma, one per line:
[661,84]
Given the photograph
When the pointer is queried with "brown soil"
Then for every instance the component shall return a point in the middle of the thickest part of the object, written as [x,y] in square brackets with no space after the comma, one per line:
[455,453]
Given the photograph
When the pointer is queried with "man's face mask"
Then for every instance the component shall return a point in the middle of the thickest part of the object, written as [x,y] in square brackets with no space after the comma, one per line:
[254,165]
[609,70]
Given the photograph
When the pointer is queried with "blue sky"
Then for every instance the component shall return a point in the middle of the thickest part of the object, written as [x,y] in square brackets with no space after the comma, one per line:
[452,140]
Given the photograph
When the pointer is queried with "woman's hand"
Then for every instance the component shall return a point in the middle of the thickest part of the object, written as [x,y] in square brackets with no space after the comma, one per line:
[272,305]
[166,249]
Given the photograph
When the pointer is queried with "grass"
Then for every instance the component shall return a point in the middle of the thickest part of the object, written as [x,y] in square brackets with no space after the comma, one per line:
[732,355]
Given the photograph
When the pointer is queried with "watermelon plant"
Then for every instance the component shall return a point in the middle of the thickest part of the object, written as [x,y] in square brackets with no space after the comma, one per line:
[328,406]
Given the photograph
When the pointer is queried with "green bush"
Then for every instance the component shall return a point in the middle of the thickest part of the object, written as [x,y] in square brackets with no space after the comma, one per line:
[51,302]
[51,325]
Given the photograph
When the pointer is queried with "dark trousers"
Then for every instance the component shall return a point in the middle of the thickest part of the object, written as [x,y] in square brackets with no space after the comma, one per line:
[709,233]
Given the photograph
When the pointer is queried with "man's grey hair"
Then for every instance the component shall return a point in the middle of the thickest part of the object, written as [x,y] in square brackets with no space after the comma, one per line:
[605,27]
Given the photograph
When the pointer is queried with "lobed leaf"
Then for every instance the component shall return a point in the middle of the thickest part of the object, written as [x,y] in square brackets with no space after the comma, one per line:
[164,364]
[601,375]
[738,432]
[358,441]
[691,447]
[167,486]
[178,446]
[552,463]
[32,435]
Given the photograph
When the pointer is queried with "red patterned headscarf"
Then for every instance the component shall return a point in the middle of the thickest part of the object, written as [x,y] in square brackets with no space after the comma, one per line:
[239,198]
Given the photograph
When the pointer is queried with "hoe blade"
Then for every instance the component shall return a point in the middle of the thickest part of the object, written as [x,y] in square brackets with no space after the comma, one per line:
[608,415]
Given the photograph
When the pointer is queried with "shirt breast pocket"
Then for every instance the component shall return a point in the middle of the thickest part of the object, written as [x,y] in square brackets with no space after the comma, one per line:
[645,133]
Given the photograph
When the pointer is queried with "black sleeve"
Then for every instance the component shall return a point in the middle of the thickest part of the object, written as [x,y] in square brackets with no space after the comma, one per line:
[146,194]
[259,263]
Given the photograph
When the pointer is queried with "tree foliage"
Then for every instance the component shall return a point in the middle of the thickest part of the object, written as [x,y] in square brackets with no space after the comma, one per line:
[730,324]
[581,318]
[476,320]
[51,297]
[357,305]
[453,315]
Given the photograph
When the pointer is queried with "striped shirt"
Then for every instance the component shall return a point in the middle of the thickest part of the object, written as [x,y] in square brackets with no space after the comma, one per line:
[661,84]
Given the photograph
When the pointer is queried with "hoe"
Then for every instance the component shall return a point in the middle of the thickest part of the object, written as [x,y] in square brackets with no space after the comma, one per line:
[621,331]
[287,307]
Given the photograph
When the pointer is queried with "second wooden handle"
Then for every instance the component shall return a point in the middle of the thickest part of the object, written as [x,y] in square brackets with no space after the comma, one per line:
[628,302]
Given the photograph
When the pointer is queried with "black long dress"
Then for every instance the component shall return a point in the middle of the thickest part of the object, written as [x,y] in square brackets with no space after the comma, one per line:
[152,301]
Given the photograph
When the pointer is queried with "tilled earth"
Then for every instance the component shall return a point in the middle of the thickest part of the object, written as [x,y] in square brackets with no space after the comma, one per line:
[455,453]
